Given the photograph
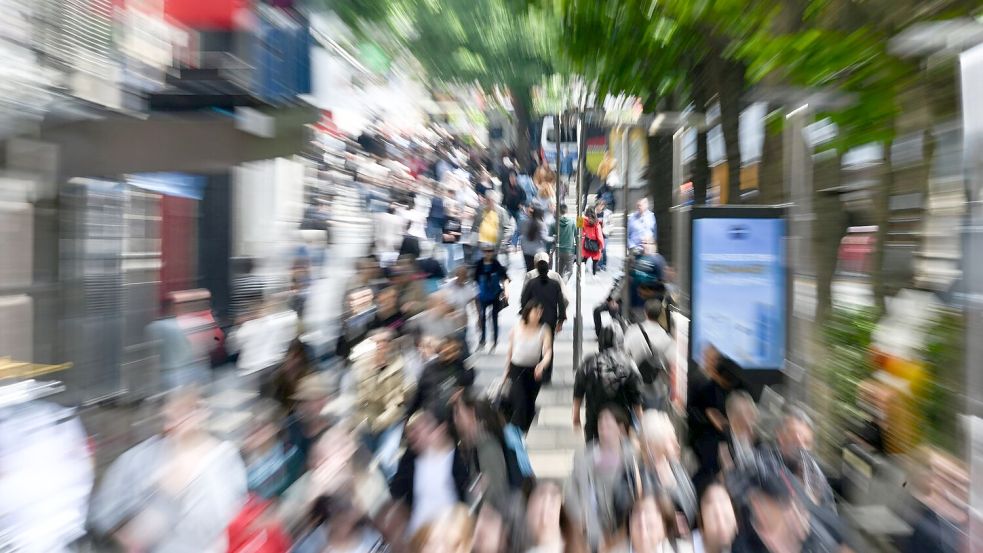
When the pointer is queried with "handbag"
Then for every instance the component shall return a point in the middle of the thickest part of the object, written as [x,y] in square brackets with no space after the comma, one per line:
[591,245]
[502,301]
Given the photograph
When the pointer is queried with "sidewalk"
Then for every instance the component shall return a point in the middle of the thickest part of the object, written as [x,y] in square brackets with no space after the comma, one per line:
[552,440]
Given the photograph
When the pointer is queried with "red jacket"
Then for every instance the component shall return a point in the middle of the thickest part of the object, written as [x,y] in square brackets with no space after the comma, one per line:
[593,231]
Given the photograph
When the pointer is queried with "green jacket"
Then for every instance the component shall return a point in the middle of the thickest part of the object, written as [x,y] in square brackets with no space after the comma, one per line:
[568,235]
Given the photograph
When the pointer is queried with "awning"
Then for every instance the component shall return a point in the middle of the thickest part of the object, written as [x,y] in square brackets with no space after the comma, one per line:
[197,142]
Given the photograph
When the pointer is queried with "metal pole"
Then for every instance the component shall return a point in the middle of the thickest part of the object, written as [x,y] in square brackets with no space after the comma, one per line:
[578,320]
[556,209]
[626,165]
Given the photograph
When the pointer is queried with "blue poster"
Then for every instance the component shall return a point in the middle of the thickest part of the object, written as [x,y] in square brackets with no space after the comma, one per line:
[738,294]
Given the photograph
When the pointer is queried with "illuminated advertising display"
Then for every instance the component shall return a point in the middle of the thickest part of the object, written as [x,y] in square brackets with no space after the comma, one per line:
[739,285]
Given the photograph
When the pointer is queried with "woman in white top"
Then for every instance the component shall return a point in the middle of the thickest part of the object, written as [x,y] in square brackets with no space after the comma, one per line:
[530,350]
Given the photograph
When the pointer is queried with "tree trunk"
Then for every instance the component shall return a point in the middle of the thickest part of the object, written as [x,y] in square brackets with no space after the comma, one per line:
[827,235]
[730,87]
[882,215]
[522,104]
[701,165]
[771,177]
[660,189]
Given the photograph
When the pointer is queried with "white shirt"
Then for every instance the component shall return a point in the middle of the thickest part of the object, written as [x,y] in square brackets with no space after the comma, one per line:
[639,348]
[434,492]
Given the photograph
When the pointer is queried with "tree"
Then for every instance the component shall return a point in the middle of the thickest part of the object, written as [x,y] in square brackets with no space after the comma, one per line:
[482,42]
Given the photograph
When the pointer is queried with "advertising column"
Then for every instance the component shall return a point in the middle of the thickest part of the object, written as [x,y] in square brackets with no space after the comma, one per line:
[739,288]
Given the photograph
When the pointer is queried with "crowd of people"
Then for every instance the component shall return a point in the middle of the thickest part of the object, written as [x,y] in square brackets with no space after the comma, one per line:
[387,444]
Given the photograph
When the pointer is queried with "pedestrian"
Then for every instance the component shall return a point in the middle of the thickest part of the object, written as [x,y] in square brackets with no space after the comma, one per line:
[598,470]
[548,525]
[644,523]
[548,290]
[641,225]
[593,241]
[739,451]
[443,379]
[493,295]
[441,320]
[382,390]
[177,491]
[535,237]
[356,322]
[609,376]
[566,243]
[389,313]
[661,462]
[436,218]
[247,291]
[306,423]
[483,446]
[604,215]
[411,244]
[513,199]
[451,532]
[340,525]
[530,351]
[181,362]
[267,457]
[450,238]
[791,455]
[286,377]
[706,417]
[489,222]
[717,522]
[654,352]
[432,477]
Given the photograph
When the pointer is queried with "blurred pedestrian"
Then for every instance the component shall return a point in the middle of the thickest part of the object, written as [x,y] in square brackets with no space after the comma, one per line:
[286,377]
[791,456]
[247,290]
[547,289]
[548,526]
[177,491]
[604,214]
[489,222]
[641,225]
[781,522]
[653,351]
[530,352]
[389,313]
[514,199]
[706,410]
[607,377]
[340,526]
[306,423]
[181,362]
[382,390]
[432,477]
[566,244]
[443,379]
[493,292]
[597,471]
[739,451]
[267,457]
[717,522]
[491,532]
[661,462]
[452,532]
[535,237]
[593,241]
[356,321]
[483,446]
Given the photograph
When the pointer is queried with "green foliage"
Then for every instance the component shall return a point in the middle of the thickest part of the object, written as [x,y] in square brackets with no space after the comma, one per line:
[938,396]
[847,336]
[461,41]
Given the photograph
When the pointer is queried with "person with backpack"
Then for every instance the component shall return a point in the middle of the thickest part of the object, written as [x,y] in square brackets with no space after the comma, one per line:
[653,351]
[607,377]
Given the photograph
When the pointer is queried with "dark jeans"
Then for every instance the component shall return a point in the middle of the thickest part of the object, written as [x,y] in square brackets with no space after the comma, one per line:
[483,308]
[530,261]
[565,263]
[523,391]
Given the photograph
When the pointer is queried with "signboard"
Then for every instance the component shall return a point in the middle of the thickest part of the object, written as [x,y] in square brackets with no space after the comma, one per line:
[739,285]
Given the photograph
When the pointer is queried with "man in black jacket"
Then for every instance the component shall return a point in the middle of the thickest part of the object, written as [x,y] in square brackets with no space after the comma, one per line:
[549,293]
[431,455]
[443,378]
